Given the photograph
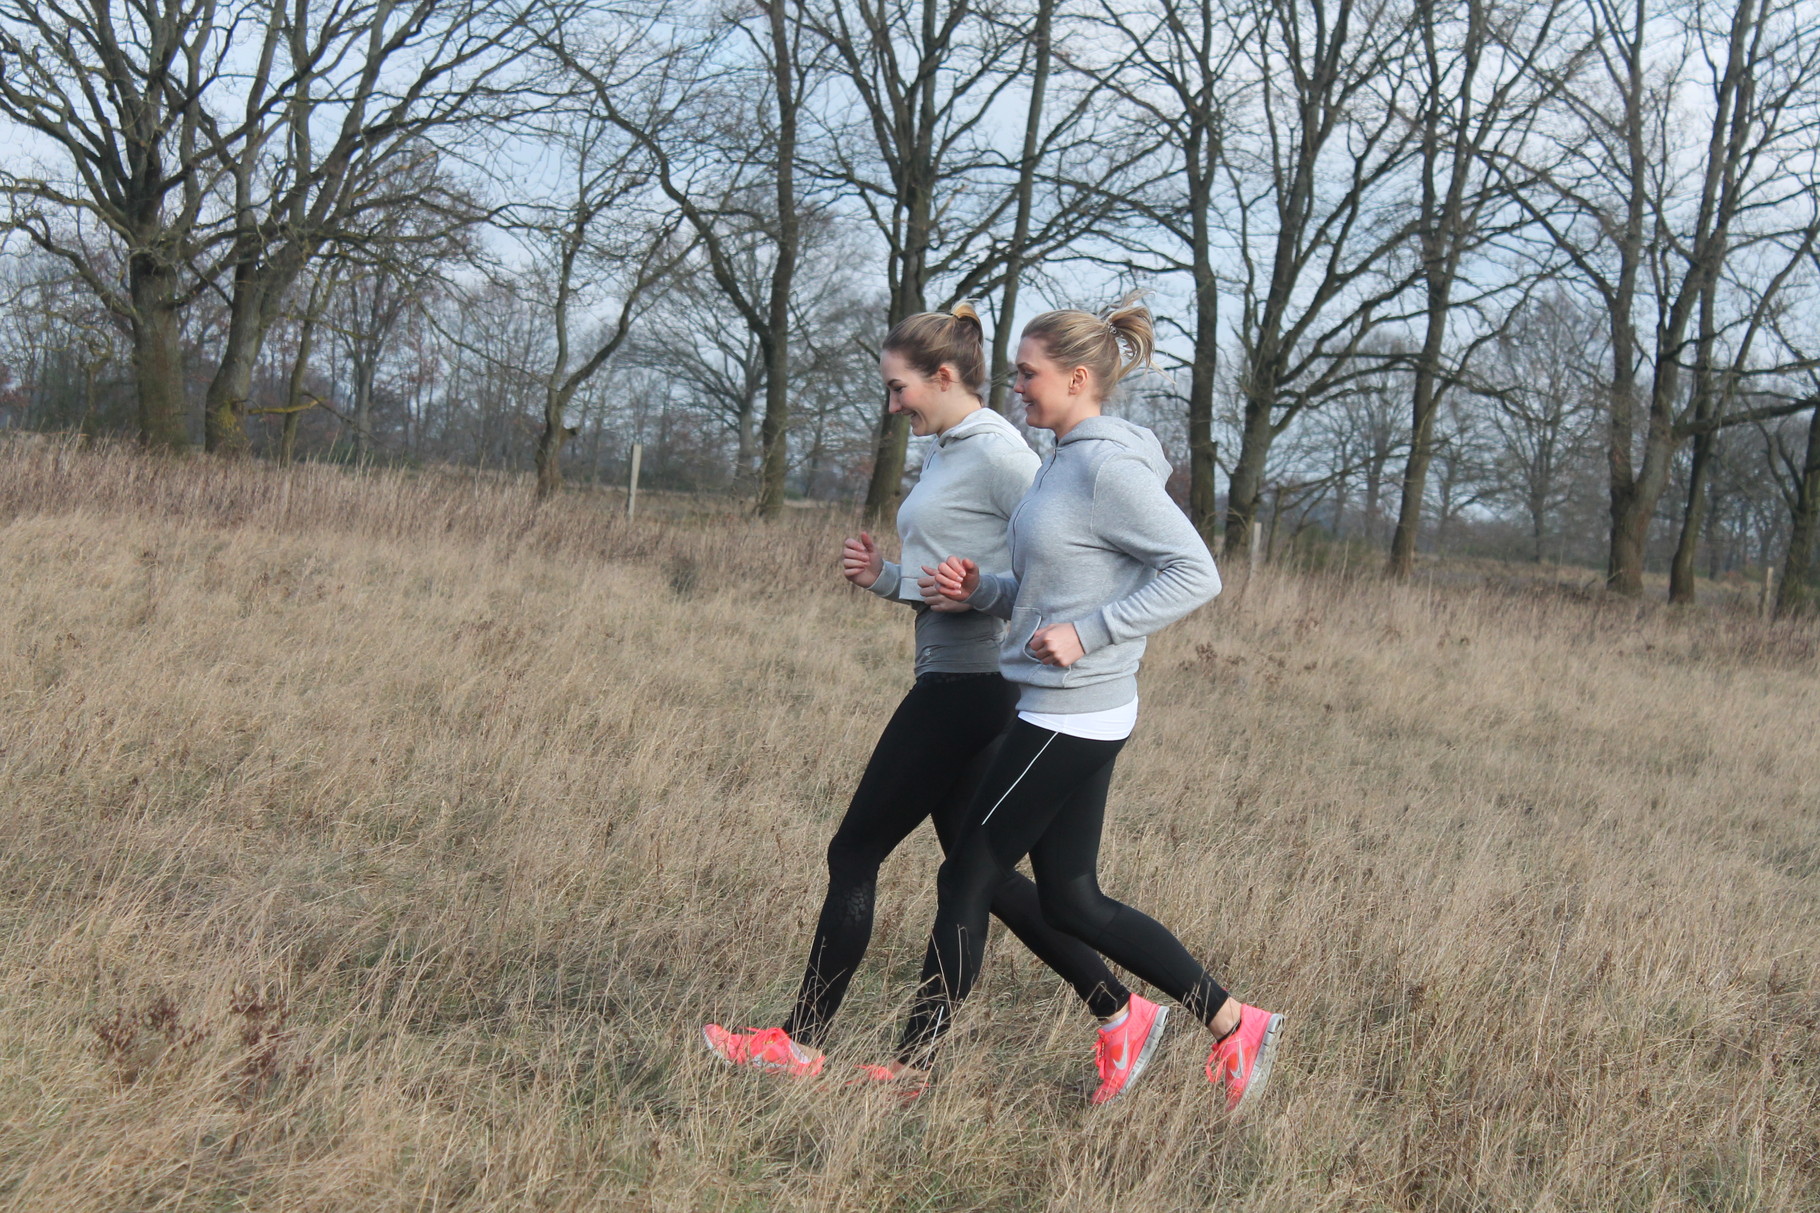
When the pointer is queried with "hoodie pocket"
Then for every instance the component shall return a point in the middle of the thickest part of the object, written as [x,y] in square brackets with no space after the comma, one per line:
[1030,669]
[1024,623]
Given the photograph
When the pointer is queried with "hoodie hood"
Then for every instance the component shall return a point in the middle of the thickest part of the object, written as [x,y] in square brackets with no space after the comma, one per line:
[1116,430]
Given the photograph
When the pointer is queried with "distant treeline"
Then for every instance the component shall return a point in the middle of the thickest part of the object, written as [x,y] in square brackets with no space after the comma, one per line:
[1537,279]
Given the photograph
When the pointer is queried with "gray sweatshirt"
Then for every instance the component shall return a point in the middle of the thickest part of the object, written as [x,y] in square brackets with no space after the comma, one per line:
[973,478]
[1098,543]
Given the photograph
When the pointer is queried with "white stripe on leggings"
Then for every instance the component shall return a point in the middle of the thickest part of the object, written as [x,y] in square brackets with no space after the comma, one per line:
[1020,778]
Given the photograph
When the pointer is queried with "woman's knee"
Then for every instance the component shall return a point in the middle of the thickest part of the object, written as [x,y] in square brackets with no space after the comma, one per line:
[969,873]
[1076,909]
[851,861]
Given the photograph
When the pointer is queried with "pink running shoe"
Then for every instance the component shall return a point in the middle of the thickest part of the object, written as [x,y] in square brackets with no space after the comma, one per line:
[1242,1060]
[1123,1053]
[765,1049]
[909,1084]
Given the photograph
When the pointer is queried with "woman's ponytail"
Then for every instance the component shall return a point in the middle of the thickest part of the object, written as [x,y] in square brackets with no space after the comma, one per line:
[956,338]
[1111,345]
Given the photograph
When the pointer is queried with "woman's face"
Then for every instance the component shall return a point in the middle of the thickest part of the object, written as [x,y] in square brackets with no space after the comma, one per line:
[1055,396]
[928,401]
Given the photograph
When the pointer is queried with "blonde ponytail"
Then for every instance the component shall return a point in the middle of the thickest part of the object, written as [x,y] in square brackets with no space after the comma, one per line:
[1111,345]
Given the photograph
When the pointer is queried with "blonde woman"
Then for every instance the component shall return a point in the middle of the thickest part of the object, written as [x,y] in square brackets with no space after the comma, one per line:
[1100,559]
[931,754]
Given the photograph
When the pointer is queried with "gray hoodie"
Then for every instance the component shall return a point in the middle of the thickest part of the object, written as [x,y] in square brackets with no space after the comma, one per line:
[974,476]
[1098,543]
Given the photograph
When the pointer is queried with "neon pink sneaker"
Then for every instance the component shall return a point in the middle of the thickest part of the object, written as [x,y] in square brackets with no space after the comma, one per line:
[1123,1053]
[765,1049]
[906,1086]
[1242,1060]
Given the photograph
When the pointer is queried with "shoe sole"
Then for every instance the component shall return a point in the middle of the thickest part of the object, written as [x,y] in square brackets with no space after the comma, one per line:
[715,1049]
[1260,1066]
[1142,1062]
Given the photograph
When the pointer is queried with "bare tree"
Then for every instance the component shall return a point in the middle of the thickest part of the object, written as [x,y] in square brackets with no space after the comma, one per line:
[1649,224]
[719,117]
[1175,67]
[1314,166]
[220,147]
[712,357]
[602,247]
[925,73]
[918,157]
[1541,386]
[1479,91]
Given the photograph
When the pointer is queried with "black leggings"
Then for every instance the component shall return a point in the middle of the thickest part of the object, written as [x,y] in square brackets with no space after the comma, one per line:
[927,763]
[1044,796]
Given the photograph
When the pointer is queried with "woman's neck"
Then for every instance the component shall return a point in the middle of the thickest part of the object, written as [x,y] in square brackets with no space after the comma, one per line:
[965,411]
[1091,410]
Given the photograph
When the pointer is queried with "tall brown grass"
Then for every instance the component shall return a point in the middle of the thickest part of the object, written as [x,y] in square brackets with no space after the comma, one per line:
[376,841]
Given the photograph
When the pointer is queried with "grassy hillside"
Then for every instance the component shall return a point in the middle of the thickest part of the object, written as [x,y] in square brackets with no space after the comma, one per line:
[375,842]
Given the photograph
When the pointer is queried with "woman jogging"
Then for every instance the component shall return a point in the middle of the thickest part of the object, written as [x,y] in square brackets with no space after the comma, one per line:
[1100,559]
[931,754]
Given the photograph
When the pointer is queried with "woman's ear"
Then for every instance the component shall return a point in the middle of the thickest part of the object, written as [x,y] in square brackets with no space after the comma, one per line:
[1077,382]
[943,377]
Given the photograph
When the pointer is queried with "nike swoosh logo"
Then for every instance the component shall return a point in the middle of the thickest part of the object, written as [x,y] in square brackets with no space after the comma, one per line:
[1124,1057]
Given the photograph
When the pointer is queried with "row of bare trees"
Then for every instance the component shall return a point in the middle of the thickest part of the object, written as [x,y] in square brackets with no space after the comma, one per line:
[1442,261]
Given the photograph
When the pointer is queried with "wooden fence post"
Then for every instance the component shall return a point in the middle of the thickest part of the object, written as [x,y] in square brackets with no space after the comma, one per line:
[638,452]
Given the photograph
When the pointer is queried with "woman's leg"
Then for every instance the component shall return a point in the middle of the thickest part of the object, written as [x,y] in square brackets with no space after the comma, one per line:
[1033,775]
[926,749]
[1065,860]
[1015,903]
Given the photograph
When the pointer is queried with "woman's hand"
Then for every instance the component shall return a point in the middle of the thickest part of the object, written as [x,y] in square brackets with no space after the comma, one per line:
[860,561]
[955,578]
[934,599]
[1057,644]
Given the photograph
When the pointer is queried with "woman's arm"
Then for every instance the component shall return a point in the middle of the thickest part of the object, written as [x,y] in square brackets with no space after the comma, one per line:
[1133,513]
[958,579]
[865,566]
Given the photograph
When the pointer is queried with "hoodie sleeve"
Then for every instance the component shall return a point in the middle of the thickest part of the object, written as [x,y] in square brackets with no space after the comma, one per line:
[996,596]
[1133,513]
[890,581]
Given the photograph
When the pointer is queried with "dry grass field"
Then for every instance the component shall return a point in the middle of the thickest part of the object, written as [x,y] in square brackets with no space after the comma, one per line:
[379,842]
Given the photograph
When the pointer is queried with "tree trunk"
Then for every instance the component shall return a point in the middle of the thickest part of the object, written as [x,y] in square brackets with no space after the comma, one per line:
[1796,594]
[1425,403]
[365,367]
[293,396]
[550,440]
[1202,452]
[157,356]
[887,467]
[1624,554]
[893,431]
[999,368]
[1706,405]
[1681,573]
[1537,508]
[745,456]
[1245,490]
[224,405]
[1635,509]
[774,431]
